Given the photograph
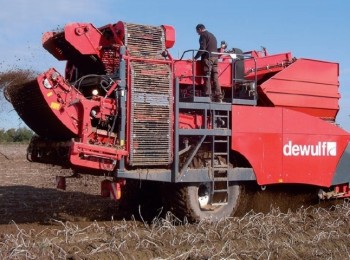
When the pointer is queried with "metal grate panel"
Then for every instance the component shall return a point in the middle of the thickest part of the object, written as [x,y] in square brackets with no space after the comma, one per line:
[151,114]
[144,41]
[110,59]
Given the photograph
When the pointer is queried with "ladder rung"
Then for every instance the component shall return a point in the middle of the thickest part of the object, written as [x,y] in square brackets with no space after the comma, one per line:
[220,167]
[220,141]
[220,154]
[219,204]
[220,179]
[219,170]
[220,116]
[220,191]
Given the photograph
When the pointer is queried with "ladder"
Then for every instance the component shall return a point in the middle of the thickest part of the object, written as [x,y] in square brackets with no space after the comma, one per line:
[220,159]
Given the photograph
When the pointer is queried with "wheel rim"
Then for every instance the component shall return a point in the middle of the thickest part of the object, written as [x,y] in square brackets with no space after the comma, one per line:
[204,191]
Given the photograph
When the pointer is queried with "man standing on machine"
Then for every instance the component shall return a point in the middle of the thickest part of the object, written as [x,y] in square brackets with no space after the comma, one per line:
[208,46]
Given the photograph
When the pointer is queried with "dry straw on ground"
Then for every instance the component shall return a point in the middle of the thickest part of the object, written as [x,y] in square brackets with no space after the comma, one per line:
[308,233]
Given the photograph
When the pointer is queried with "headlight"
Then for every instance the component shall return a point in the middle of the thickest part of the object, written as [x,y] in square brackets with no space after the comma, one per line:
[47,84]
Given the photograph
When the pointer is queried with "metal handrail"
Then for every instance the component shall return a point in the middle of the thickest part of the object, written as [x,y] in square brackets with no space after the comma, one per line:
[194,76]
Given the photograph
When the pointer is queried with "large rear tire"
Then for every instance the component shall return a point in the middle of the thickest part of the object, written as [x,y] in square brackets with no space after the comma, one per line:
[194,202]
[141,199]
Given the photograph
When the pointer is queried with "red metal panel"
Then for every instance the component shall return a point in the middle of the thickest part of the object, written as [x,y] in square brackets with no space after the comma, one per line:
[295,122]
[225,73]
[309,86]
[266,64]
[58,98]
[69,105]
[95,156]
[48,41]
[312,148]
[169,32]
[286,146]
[183,69]
[257,135]
[84,37]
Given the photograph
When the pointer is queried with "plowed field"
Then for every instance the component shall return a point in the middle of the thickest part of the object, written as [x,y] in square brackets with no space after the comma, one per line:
[38,221]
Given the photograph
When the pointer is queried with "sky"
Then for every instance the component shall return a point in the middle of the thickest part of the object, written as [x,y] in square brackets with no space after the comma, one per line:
[316,29]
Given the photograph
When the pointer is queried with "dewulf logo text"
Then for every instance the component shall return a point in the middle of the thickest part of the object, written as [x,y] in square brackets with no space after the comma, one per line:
[319,149]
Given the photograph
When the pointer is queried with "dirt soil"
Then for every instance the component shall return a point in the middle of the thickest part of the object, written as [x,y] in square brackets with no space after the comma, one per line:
[39,221]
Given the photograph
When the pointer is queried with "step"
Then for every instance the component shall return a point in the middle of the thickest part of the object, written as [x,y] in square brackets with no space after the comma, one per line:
[220,168]
[220,179]
[220,191]
[221,116]
[221,141]
[217,153]
[219,204]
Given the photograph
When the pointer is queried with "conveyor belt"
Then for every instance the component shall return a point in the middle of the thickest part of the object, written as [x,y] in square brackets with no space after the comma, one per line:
[31,106]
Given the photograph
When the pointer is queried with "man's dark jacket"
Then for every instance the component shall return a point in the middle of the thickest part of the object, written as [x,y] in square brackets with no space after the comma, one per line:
[207,41]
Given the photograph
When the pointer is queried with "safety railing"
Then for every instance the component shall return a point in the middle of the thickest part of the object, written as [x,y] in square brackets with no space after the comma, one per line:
[243,91]
[196,94]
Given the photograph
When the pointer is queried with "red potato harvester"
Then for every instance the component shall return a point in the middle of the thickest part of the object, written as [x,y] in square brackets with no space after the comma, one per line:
[127,109]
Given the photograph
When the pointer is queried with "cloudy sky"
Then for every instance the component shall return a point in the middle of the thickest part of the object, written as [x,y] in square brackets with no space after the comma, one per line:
[317,29]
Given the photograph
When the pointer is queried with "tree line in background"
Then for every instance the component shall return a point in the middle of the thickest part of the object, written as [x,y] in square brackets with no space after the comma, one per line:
[19,135]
